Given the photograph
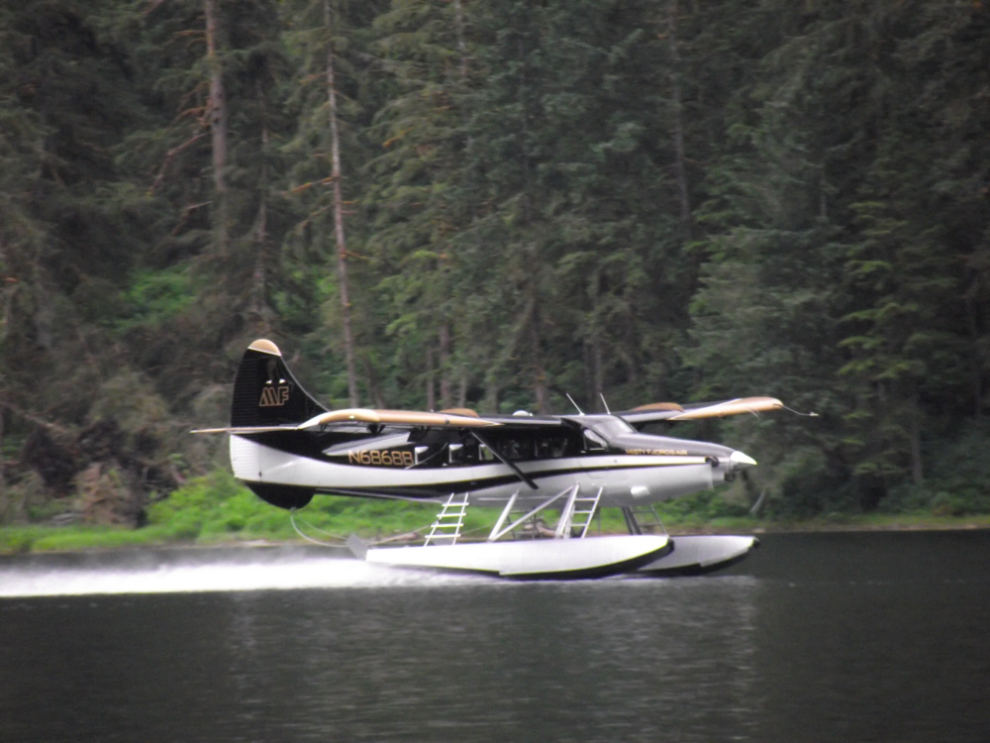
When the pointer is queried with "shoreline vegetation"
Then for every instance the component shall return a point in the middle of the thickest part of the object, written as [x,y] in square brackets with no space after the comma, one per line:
[216,511]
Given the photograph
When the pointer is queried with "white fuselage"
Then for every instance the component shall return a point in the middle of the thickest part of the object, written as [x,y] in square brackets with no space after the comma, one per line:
[625,479]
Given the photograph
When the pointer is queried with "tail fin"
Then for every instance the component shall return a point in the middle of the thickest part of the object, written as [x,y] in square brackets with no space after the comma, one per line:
[266,393]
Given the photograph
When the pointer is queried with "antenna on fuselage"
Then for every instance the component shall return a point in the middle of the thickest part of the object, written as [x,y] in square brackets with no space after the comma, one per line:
[604,403]
[580,412]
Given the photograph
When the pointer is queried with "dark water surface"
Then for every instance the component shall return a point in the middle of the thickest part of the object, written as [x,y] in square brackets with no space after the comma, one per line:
[817,637]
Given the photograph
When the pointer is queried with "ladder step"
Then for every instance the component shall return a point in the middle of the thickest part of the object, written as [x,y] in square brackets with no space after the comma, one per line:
[451,517]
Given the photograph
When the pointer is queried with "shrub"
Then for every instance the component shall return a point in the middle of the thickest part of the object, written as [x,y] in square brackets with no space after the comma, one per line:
[202,501]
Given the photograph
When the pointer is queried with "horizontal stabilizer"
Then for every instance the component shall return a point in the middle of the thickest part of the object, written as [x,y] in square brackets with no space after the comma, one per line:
[246,429]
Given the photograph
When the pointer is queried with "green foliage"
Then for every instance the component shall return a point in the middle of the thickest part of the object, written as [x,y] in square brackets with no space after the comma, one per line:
[97,537]
[907,498]
[958,482]
[156,298]
[212,503]
[14,541]
[24,539]
[217,508]
[702,507]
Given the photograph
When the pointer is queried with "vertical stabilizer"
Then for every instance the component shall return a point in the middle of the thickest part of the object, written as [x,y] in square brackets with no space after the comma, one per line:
[266,393]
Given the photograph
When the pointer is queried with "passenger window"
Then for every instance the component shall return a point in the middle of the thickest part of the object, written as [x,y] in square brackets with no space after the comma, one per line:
[511,450]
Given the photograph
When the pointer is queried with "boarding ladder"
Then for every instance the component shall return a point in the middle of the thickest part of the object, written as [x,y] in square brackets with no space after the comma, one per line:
[577,514]
[447,527]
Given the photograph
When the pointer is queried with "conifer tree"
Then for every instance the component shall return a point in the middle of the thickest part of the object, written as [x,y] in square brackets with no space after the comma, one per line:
[328,150]
[418,203]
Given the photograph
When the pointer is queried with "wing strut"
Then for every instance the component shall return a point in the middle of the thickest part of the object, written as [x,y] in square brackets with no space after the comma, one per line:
[498,533]
[512,465]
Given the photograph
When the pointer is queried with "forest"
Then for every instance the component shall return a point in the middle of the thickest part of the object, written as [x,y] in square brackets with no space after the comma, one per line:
[495,204]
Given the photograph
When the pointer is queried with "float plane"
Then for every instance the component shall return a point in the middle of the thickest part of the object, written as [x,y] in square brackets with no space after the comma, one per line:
[287,447]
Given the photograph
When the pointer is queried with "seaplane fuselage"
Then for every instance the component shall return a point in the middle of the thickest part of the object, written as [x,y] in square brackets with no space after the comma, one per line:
[287,448]
[532,458]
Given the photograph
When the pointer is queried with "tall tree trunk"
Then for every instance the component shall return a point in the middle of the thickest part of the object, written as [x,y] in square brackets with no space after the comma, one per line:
[373,390]
[917,469]
[338,215]
[539,373]
[589,372]
[492,402]
[974,337]
[680,166]
[258,289]
[217,118]
[536,342]
[446,393]
[3,411]
[443,332]
[598,378]
[3,473]
[431,400]
[461,45]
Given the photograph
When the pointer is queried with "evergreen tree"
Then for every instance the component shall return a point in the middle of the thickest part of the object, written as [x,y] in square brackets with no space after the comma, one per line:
[68,252]
[417,202]
[333,97]
[911,328]
[767,314]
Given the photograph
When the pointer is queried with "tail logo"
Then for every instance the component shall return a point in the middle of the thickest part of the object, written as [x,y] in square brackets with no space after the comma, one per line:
[274,397]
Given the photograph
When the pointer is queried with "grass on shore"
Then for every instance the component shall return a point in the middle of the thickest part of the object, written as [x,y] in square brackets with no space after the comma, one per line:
[217,510]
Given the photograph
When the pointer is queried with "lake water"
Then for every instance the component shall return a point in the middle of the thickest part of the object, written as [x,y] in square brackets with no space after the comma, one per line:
[816,637]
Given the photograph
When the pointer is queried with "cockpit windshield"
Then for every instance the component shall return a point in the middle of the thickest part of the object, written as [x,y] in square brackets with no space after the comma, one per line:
[610,428]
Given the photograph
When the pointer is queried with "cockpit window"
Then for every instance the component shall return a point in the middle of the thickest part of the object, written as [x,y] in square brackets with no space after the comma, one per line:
[610,428]
[594,442]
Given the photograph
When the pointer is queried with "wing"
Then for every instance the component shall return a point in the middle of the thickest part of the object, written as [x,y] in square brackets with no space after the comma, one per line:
[669,411]
[459,418]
